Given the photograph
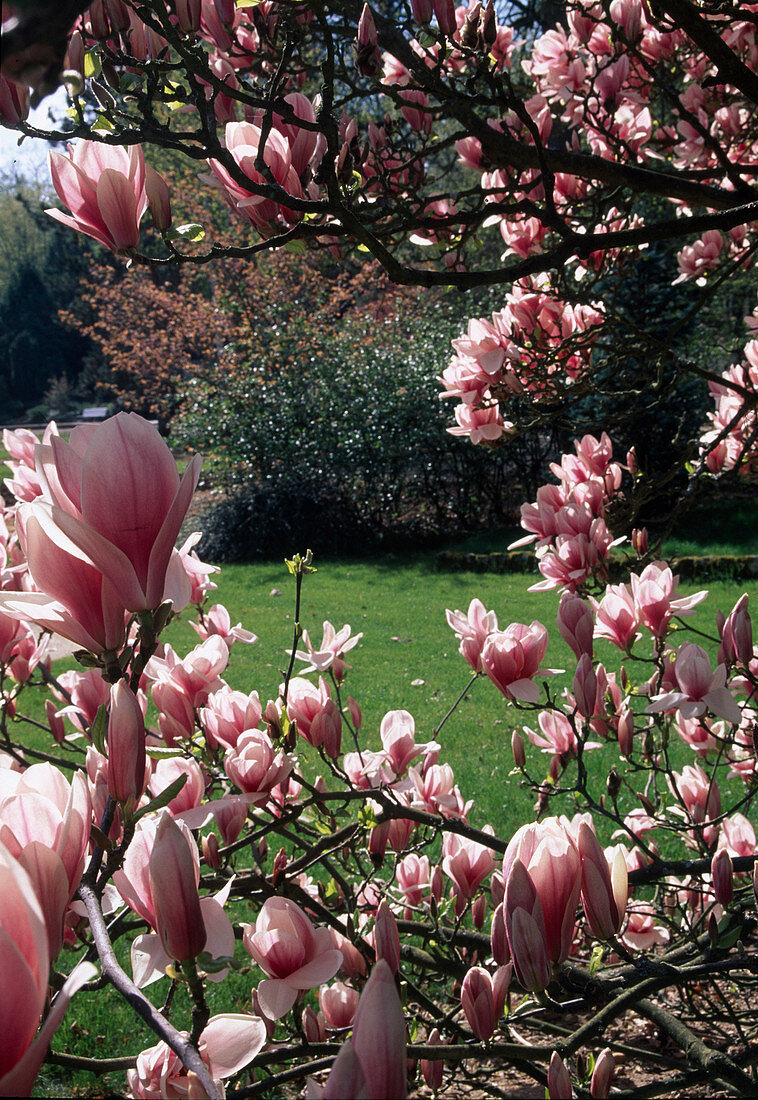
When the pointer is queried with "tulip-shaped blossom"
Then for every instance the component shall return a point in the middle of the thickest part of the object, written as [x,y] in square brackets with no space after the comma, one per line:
[338,1003]
[45,824]
[472,630]
[617,616]
[701,796]
[602,1075]
[398,734]
[243,143]
[191,793]
[412,876]
[217,620]
[24,965]
[604,888]
[483,999]
[97,488]
[736,631]
[543,876]
[104,188]
[126,746]
[467,863]
[255,767]
[227,1044]
[558,1079]
[170,904]
[305,702]
[700,688]
[511,658]
[371,1065]
[227,715]
[294,954]
[576,623]
[75,599]
[173,886]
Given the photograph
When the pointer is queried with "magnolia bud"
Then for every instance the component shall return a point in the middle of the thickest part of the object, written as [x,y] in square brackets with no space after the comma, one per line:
[722,873]
[470,32]
[626,732]
[631,462]
[280,863]
[387,937]
[368,59]
[498,939]
[156,190]
[126,746]
[640,541]
[517,748]
[479,911]
[488,28]
[355,712]
[602,1075]
[445,12]
[56,724]
[558,1079]
[497,888]
[209,845]
[432,1071]
[613,783]
[313,1026]
[422,11]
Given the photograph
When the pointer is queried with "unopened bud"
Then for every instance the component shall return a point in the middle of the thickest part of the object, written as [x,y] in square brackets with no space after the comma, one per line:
[497,888]
[422,11]
[470,32]
[631,462]
[488,28]
[432,1071]
[613,783]
[479,911]
[355,712]
[640,541]
[210,851]
[722,873]
[626,731]
[387,937]
[368,59]
[158,198]
[314,1028]
[602,1075]
[56,723]
[517,748]
[280,863]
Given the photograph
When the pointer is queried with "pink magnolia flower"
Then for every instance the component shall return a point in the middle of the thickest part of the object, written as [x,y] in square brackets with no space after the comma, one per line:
[338,1003]
[24,967]
[255,767]
[166,772]
[467,863]
[104,188]
[641,931]
[371,1065]
[511,658]
[164,892]
[334,645]
[228,1043]
[126,746]
[294,954]
[45,824]
[737,836]
[576,623]
[412,875]
[398,733]
[95,486]
[217,620]
[700,688]
[483,998]
[228,714]
[472,629]
[653,592]
[701,796]
[736,632]
[243,142]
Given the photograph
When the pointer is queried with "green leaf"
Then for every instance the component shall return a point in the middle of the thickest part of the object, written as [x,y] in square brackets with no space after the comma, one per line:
[98,729]
[158,753]
[297,247]
[92,66]
[596,958]
[102,124]
[213,965]
[163,798]
[189,232]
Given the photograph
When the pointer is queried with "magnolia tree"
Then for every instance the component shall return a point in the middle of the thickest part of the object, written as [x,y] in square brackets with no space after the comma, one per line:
[391,945]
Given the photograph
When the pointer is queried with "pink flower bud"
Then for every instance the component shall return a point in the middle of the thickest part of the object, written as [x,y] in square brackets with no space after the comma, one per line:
[56,724]
[736,635]
[631,462]
[597,893]
[602,1075]
[640,541]
[558,1079]
[387,937]
[432,1071]
[368,59]
[188,14]
[478,1002]
[126,746]
[173,885]
[498,939]
[436,883]
[14,101]
[479,911]
[445,12]
[158,198]
[209,845]
[313,1025]
[722,873]
[517,748]
[497,888]
[576,623]
[355,712]
[585,686]
[626,732]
